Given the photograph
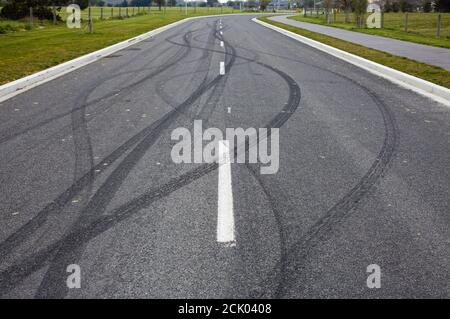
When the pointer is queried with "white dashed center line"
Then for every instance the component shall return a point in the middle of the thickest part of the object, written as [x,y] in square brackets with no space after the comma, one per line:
[225,215]
[222,68]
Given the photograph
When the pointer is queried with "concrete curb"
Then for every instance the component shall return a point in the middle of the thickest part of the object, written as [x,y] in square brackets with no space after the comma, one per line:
[435,92]
[19,86]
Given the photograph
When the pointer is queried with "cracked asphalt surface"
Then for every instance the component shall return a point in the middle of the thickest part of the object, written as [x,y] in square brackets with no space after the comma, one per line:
[87,177]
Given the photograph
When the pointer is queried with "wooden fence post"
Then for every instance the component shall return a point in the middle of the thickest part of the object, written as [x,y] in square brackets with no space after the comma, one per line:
[439,25]
[406,22]
[31,17]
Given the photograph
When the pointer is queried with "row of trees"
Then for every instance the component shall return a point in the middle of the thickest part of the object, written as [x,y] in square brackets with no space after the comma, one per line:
[359,7]
[18,9]
[42,9]
[414,5]
[385,5]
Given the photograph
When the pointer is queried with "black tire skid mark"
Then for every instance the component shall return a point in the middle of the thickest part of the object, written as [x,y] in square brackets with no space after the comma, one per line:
[16,273]
[216,92]
[36,222]
[157,127]
[50,286]
[124,91]
[165,97]
[18,129]
[291,259]
[277,282]
[129,90]
[96,206]
[348,203]
[206,55]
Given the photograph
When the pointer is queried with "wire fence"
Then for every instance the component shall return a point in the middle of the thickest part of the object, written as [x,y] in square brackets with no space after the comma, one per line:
[107,13]
[425,24]
[99,13]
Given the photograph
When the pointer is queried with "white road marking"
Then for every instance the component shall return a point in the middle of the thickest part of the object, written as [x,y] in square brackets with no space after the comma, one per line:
[221,33]
[221,43]
[229,109]
[222,68]
[225,215]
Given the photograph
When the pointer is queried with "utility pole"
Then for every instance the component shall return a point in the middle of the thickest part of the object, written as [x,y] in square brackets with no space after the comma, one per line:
[438,33]
[31,17]
[185,6]
[54,13]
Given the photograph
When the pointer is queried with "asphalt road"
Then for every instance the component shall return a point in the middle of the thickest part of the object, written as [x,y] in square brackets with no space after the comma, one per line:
[87,177]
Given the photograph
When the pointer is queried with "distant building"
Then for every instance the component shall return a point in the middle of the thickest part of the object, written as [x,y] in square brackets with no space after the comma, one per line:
[278,4]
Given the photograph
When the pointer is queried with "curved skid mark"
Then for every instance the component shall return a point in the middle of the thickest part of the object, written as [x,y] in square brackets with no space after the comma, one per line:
[85,232]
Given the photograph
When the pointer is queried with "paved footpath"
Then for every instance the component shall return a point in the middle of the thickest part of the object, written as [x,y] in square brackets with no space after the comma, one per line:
[423,53]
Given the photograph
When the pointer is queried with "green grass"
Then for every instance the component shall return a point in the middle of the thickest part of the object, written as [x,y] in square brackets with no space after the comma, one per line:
[12,26]
[26,52]
[421,26]
[424,71]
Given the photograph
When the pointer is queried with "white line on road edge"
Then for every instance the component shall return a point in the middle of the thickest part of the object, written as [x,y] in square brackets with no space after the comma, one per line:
[24,84]
[221,43]
[222,68]
[433,91]
[225,214]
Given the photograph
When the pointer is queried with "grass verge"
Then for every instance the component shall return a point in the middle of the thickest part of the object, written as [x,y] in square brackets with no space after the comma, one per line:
[46,45]
[423,32]
[424,71]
